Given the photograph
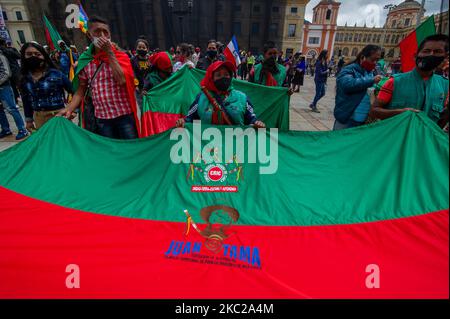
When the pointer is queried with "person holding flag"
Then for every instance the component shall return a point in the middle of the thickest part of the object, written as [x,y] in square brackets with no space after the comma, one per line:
[420,90]
[105,73]
[67,60]
[219,103]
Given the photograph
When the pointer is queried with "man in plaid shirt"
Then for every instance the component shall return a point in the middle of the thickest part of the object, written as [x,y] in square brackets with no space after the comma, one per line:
[112,88]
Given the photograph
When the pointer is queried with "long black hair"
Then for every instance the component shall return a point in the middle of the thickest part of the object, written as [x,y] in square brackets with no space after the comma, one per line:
[322,56]
[366,52]
[48,62]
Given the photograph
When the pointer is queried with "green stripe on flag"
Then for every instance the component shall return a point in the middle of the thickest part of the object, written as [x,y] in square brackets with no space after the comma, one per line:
[391,169]
[426,29]
[54,35]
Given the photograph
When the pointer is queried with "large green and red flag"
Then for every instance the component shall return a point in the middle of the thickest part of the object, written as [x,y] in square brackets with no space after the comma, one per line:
[51,35]
[358,213]
[410,44]
[170,100]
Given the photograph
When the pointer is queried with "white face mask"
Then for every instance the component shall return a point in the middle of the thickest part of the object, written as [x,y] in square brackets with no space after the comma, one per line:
[95,41]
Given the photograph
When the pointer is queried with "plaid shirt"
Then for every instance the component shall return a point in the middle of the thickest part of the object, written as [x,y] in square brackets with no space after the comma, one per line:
[110,99]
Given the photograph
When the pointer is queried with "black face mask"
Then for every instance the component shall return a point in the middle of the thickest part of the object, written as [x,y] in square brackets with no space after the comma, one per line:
[223,84]
[212,54]
[429,63]
[270,64]
[33,63]
[142,53]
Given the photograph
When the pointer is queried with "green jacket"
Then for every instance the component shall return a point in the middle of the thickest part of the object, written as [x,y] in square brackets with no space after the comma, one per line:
[279,77]
[235,106]
[411,91]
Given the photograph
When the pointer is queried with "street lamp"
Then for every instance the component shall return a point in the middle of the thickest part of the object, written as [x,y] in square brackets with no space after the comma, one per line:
[181,12]
[389,7]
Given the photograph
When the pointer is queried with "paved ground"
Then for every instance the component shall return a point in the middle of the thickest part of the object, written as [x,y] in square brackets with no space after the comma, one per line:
[301,117]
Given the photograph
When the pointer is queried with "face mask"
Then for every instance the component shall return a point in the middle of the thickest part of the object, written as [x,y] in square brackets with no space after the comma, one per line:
[211,53]
[33,63]
[270,61]
[142,52]
[223,84]
[429,63]
[369,66]
[95,41]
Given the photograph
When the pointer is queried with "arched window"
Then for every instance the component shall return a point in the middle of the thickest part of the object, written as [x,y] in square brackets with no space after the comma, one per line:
[355,52]
[388,37]
[369,38]
[393,39]
[345,52]
[350,37]
[360,37]
[336,51]
[328,14]
[346,37]
[365,38]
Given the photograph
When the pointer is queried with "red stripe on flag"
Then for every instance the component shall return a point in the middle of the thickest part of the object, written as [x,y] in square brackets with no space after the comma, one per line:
[229,56]
[158,122]
[48,38]
[126,258]
[408,49]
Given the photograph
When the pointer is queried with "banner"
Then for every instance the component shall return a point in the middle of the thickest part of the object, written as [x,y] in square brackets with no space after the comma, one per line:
[357,213]
[170,100]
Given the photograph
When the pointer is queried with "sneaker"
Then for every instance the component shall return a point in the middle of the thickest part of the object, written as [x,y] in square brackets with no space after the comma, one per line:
[5,134]
[22,134]
[314,109]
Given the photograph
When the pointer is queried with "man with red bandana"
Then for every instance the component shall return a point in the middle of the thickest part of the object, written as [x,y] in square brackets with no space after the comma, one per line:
[219,103]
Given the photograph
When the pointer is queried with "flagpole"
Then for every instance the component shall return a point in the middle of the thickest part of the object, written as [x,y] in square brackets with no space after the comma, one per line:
[441,17]
[419,16]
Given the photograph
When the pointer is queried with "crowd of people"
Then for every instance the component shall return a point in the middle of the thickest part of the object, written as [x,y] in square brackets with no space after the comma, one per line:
[109,84]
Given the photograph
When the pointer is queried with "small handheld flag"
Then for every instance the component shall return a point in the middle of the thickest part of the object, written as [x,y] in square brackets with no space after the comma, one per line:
[232,52]
[83,20]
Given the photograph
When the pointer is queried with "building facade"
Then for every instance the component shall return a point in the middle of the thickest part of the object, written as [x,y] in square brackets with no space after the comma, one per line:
[401,21]
[321,32]
[166,23]
[17,21]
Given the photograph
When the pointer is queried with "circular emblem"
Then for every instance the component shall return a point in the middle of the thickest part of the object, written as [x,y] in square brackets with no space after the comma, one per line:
[215,173]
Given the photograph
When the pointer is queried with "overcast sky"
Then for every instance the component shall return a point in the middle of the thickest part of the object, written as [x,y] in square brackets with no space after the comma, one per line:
[371,12]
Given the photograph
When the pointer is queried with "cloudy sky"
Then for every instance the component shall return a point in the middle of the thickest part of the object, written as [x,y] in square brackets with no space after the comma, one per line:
[371,12]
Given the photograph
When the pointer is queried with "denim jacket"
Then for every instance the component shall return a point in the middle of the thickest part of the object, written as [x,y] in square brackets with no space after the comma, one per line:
[45,95]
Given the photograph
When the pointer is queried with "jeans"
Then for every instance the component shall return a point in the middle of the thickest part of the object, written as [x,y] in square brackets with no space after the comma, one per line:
[350,123]
[9,104]
[122,127]
[320,92]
